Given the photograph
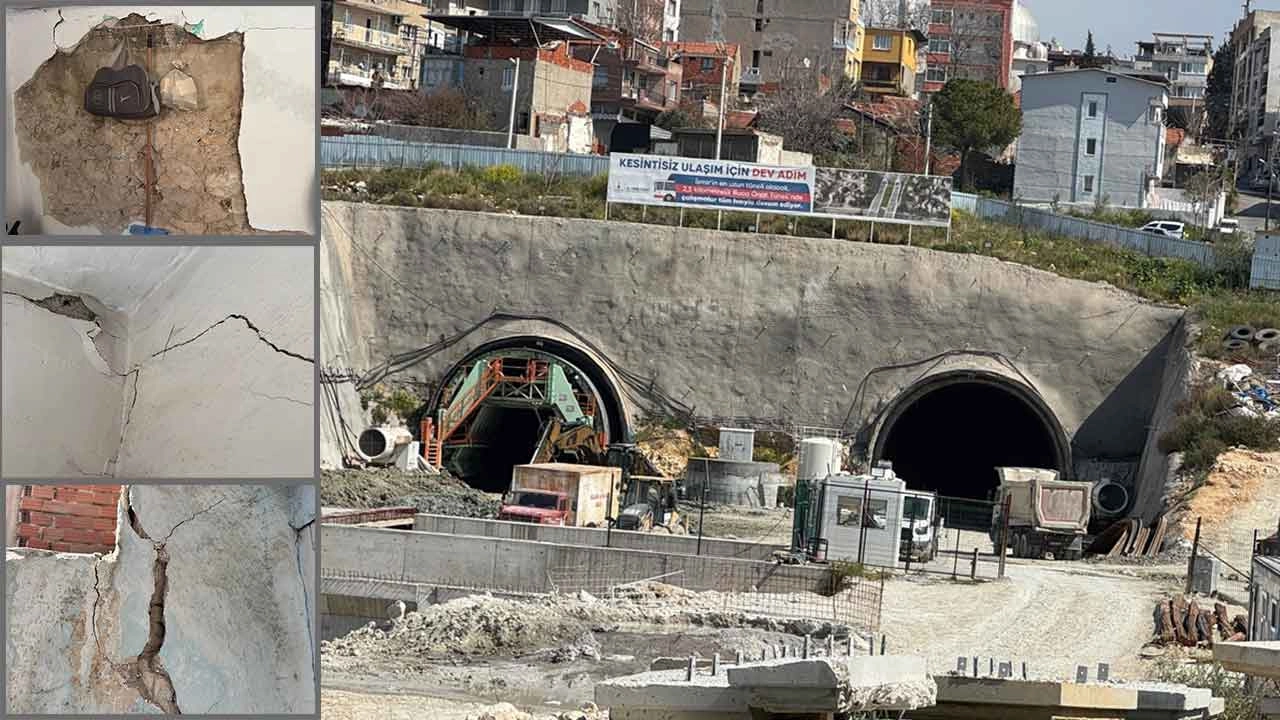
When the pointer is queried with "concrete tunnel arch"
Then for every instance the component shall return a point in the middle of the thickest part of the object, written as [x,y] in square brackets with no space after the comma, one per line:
[515,436]
[949,430]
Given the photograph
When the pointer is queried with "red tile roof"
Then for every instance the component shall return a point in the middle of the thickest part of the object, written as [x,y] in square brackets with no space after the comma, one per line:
[899,113]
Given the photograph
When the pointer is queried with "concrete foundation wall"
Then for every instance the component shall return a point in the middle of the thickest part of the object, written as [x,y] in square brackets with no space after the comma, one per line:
[1156,470]
[253,167]
[658,542]
[524,565]
[238,608]
[770,330]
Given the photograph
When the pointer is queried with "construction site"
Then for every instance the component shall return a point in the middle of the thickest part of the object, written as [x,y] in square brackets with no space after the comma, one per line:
[580,468]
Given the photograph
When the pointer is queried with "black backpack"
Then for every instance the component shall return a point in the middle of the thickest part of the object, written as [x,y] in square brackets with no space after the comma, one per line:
[123,91]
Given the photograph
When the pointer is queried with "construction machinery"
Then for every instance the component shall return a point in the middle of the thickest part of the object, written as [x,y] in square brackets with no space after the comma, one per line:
[650,502]
[1045,515]
[921,526]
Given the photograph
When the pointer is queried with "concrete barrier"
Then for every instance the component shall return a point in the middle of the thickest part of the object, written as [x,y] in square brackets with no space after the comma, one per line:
[528,566]
[592,537]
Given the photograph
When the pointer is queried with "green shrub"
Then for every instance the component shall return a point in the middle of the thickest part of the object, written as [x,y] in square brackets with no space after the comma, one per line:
[1242,701]
[501,175]
[1205,429]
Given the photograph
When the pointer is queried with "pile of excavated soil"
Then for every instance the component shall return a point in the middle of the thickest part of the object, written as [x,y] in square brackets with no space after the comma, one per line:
[557,628]
[669,450]
[1241,495]
[385,487]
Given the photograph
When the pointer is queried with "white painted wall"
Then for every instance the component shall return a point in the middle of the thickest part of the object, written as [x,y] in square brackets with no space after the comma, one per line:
[224,404]
[278,120]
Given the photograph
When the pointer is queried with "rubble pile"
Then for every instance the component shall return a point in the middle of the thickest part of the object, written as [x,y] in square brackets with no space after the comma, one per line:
[1180,621]
[1257,396]
[429,492]
[555,628]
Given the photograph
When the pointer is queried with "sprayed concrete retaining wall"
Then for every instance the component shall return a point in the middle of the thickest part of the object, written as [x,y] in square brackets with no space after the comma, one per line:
[593,537]
[767,330]
[529,566]
[234,632]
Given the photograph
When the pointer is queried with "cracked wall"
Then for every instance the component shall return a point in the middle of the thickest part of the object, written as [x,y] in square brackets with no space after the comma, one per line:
[243,162]
[204,606]
[203,370]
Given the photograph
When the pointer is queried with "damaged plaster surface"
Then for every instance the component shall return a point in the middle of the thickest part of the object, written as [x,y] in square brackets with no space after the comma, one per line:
[205,606]
[243,162]
[200,365]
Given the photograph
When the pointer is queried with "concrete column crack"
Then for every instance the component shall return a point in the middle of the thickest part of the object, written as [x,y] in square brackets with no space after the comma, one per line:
[302,577]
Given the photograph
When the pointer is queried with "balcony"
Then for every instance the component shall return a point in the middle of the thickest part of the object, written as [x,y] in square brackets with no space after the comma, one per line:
[348,74]
[530,7]
[646,99]
[382,8]
[368,38]
[751,76]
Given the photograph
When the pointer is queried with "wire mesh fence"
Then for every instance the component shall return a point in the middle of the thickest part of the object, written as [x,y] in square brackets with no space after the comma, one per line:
[373,151]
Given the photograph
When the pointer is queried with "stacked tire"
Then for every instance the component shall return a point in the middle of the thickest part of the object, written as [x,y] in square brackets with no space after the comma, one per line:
[1243,337]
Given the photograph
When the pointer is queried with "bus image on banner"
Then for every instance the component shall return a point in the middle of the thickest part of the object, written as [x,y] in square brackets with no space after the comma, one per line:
[735,193]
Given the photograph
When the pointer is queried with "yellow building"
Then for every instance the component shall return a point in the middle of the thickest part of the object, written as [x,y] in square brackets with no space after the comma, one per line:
[889,61]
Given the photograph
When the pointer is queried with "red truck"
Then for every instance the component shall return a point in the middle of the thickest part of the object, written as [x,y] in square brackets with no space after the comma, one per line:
[563,494]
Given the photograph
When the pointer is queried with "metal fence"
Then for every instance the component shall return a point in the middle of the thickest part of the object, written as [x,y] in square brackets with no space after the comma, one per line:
[1266,262]
[1114,235]
[372,151]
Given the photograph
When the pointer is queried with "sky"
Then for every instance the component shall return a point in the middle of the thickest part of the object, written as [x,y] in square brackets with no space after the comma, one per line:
[1121,23]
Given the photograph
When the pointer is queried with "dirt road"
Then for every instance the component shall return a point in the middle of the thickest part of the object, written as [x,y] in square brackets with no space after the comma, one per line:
[1052,617]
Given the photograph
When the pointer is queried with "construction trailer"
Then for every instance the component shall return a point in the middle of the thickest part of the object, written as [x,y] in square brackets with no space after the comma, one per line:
[859,519]
[1045,515]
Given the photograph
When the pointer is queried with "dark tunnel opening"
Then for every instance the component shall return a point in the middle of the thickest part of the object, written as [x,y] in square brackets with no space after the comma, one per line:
[501,438]
[951,437]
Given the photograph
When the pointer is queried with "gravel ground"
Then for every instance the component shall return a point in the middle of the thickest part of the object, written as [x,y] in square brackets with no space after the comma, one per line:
[383,487]
[353,704]
[1053,617]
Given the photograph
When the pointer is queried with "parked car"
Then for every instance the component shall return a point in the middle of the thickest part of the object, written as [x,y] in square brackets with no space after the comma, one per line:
[1168,228]
[1229,226]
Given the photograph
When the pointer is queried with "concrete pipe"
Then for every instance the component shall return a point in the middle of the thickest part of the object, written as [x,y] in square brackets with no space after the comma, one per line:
[1110,499]
[378,445]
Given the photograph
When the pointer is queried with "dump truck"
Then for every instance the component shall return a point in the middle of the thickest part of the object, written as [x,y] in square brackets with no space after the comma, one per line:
[563,494]
[1046,515]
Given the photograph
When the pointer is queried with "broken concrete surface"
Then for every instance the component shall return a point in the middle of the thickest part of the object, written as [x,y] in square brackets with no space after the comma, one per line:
[204,606]
[92,170]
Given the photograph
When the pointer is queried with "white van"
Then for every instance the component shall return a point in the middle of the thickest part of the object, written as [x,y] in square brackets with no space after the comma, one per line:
[1168,228]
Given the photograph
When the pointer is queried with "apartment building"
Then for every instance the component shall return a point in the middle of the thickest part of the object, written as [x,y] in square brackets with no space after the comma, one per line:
[889,61]
[376,43]
[1255,100]
[634,81]
[601,12]
[1090,136]
[702,65]
[781,39]
[970,39]
[1184,60]
[551,85]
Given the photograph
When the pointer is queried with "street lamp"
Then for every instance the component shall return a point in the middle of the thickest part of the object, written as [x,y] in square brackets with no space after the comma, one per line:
[511,121]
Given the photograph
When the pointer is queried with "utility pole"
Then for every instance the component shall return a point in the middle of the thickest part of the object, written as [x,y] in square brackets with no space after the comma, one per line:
[724,73]
[928,135]
[511,121]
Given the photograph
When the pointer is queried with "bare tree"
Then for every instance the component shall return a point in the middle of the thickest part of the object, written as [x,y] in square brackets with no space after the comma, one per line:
[975,37]
[805,111]
[640,19]
[890,13]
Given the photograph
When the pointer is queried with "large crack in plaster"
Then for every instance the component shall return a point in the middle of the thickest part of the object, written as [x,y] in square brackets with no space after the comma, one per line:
[302,577]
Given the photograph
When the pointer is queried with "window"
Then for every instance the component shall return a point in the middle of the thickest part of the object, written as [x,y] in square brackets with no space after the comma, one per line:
[1153,115]
[882,42]
[755,58]
[936,74]
[1093,108]
[595,9]
[1088,183]
[708,64]
[600,77]
[759,24]
[940,17]
[939,45]
[508,78]
[849,512]
[1091,146]
[523,123]
[1111,81]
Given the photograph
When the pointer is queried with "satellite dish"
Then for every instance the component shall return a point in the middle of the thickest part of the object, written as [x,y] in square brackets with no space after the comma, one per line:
[806,63]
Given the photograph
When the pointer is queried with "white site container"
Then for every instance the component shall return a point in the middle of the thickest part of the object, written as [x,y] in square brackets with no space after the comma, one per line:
[819,458]
[737,444]
[853,532]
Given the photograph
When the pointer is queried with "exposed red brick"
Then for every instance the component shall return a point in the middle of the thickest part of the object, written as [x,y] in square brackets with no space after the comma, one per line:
[39,518]
[44,492]
[31,503]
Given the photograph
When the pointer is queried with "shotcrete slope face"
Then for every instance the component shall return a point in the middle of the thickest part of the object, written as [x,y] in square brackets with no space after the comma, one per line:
[204,607]
[763,331]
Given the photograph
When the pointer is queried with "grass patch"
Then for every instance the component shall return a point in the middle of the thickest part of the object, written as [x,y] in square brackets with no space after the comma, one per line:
[1242,703]
[1219,298]
[1206,428]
